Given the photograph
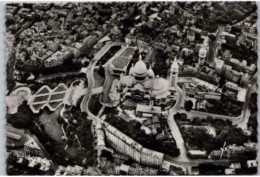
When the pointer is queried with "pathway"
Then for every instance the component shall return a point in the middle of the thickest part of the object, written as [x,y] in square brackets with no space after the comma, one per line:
[174,127]
[181,160]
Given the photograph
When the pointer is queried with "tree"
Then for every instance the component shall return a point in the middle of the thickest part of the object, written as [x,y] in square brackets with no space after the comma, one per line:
[212,37]
[232,135]
[177,116]
[36,168]
[197,121]
[101,71]
[209,119]
[192,137]
[183,117]
[25,163]
[188,105]
[210,169]
[235,30]
[23,117]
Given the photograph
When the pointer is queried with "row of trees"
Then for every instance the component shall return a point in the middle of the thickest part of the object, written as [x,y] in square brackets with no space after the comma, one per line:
[252,122]
[223,14]
[225,106]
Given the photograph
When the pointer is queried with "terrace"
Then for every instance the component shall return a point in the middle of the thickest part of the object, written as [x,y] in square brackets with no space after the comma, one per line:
[109,53]
[43,91]
[41,98]
[57,96]
[56,104]
[48,97]
[123,58]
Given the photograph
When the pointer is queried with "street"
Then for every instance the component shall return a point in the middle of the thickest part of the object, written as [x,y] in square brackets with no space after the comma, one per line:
[182,160]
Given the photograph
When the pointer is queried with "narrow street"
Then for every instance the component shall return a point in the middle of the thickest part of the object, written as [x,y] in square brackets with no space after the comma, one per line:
[182,160]
[174,127]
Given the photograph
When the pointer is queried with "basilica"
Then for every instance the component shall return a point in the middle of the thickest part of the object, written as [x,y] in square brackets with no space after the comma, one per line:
[142,86]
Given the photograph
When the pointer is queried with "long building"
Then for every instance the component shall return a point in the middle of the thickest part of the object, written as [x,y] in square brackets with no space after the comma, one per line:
[127,146]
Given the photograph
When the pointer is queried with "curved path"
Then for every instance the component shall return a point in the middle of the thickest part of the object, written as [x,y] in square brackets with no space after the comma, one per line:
[174,127]
[182,160]
[90,71]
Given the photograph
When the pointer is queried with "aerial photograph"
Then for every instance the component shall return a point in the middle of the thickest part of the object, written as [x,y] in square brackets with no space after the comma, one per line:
[131,88]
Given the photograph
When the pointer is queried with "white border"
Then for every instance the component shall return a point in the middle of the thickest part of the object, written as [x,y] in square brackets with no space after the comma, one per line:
[3,66]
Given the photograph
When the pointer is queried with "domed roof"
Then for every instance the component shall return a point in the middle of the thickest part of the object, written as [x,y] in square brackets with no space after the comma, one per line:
[150,73]
[140,68]
[203,50]
[160,85]
[131,71]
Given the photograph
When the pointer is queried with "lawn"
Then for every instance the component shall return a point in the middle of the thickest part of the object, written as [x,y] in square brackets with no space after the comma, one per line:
[99,80]
[52,127]
[127,52]
[43,91]
[60,88]
[38,106]
[41,98]
[55,104]
[57,96]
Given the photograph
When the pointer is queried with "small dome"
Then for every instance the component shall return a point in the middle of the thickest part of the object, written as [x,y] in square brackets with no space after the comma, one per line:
[203,50]
[140,68]
[202,53]
[244,62]
[160,84]
[150,73]
[131,71]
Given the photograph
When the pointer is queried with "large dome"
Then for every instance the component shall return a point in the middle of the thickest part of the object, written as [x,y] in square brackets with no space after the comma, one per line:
[140,68]
[159,87]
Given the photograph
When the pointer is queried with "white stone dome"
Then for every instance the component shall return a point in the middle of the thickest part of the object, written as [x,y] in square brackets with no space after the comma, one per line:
[150,73]
[140,68]
[131,71]
[159,87]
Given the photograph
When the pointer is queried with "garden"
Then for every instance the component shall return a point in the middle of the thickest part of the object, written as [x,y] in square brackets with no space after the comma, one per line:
[134,131]
[94,104]
[198,138]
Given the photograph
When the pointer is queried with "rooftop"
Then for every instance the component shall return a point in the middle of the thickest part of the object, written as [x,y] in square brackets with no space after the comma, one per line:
[123,58]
